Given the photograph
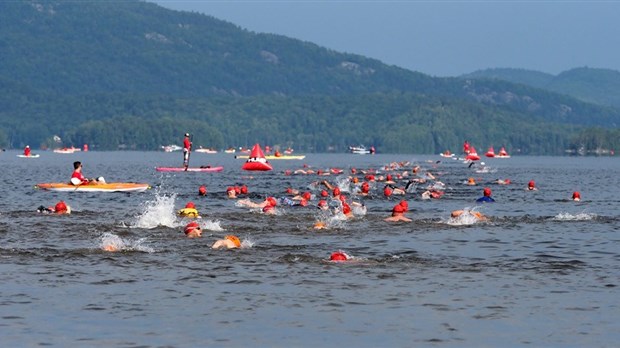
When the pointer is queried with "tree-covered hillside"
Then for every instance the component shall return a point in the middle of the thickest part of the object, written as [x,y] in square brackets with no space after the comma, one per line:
[131,74]
[597,86]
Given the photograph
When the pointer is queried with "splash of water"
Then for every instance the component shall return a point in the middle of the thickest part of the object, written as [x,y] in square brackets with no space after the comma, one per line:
[211,225]
[158,212]
[577,217]
[112,242]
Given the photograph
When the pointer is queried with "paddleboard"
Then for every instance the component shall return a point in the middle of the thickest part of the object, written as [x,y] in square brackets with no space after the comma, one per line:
[108,187]
[31,156]
[190,169]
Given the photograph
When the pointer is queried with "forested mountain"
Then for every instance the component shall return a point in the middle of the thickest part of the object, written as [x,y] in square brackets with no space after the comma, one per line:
[131,74]
[598,86]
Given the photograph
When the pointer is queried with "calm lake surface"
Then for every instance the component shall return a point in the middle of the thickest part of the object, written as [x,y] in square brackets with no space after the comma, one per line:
[544,271]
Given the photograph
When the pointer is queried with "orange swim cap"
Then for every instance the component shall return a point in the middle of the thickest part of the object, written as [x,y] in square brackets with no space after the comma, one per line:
[234,239]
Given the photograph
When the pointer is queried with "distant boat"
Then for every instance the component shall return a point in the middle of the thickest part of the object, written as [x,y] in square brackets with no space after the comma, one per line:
[66,150]
[203,150]
[361,150]
[446,153]
[502,153]
[230,150]
[170,148]
[490,152]
[288,151]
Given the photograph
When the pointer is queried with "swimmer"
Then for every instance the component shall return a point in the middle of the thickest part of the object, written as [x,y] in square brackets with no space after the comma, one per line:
[576,196]
[502,182]
[231,192]
[229,242]
[531,186]
[268,205]
[398,212]
[340,256]
[61,208]
[479,216]
[189,211]
[471,182]
[486,198]
[193,230]
[202,190]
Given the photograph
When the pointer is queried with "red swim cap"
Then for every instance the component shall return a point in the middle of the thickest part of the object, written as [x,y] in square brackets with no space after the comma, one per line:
[398,209]
[322,203]
[272,201]
[237,190]
[404,204]
[289,190]
[190,205]
[191,226]
[324,193]
[346,209]
[60,207]
[531,183]
[388,177]
[202,190]
[576,195]
[487,192]
[244,189]
[387,191]
[353,170]
[336,191]
[306,195]
[338,256]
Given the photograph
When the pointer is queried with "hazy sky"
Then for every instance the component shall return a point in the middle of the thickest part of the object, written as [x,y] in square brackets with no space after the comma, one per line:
[441,38]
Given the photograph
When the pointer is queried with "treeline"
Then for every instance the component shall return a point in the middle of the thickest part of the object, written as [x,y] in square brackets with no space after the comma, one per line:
[395,122]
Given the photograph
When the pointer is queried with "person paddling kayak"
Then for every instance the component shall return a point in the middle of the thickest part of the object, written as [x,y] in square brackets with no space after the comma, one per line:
[77,178]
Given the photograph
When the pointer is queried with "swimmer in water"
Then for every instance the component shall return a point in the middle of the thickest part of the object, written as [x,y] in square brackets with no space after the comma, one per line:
[193,230]
[458,213]
[61,208]
[268,205]
[229,242]
[486,198]
[398,213]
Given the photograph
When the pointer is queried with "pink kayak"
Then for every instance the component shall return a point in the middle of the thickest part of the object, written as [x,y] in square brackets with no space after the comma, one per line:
[190,169]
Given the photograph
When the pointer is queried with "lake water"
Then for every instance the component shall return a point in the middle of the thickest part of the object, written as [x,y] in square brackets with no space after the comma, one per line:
[544,271]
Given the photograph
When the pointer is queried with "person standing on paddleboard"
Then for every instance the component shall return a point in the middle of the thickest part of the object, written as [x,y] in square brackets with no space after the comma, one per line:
[27,151]
[187,147]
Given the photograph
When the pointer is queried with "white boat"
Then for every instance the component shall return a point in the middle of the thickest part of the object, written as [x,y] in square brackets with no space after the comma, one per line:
[29,156]
[66,150]
[230,150]
[203,150]
[170,148]
[361,150]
